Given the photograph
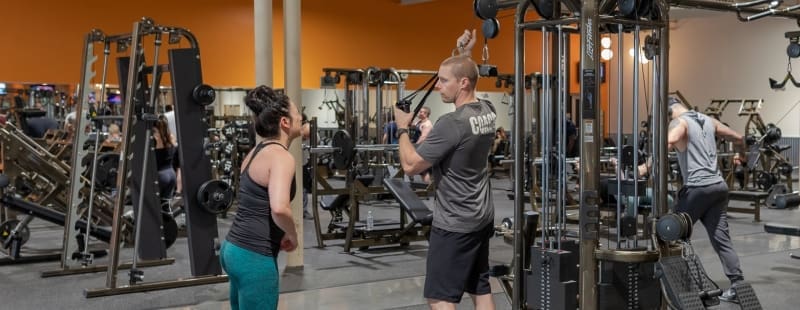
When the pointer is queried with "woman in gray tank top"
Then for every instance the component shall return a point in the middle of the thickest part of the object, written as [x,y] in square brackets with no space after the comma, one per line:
[263,225]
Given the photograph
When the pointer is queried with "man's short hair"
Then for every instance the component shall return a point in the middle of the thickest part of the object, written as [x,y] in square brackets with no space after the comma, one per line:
[463,67]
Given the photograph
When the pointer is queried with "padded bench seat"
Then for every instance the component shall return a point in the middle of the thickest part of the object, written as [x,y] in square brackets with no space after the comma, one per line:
[756,198]
[782,229]
[378,224]
[330,202]
[409,201]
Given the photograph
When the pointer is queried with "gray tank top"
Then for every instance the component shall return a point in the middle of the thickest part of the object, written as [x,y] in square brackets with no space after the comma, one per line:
[699,161]
[253,227]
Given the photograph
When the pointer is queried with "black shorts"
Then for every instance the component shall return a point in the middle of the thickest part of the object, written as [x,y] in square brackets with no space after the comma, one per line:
[457,263]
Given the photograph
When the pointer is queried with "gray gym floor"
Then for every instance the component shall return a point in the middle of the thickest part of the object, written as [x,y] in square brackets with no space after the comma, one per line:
[378,278]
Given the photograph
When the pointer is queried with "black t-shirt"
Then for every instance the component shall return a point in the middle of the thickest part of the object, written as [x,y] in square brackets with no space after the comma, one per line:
[38,126]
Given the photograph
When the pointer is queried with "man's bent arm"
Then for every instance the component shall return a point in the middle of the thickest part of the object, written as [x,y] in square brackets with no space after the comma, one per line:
[410,160]
[730,135]
[677,129]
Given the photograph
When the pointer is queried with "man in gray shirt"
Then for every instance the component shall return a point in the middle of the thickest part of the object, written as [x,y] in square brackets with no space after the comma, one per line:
[704,195]
[463,215]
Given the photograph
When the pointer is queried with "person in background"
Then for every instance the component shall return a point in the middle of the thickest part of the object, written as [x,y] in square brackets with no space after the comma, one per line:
[307,177]
[114,135]
[389,130]
[165,150]
[263,225]
[423,125]
[37,126]
[423,128]
[704,195]
[169,114]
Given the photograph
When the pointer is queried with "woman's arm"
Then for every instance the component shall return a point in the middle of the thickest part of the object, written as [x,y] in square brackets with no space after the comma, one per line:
[280,185]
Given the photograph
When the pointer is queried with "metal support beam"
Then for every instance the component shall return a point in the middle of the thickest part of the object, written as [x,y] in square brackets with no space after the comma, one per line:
[590,155]
[729,7]
[518,291]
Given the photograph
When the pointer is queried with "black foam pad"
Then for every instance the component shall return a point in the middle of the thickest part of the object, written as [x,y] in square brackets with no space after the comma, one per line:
[409,201]
[54,216]
[340,202]
[782,229]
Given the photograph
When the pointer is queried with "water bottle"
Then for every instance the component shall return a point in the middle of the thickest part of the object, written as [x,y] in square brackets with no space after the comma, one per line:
[370,220]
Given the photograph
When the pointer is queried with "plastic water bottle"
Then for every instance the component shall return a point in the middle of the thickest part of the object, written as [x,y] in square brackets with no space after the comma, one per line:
[370,220]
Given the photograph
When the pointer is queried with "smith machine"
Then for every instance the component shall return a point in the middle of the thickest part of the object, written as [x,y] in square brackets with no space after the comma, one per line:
[203,197]
[641,254]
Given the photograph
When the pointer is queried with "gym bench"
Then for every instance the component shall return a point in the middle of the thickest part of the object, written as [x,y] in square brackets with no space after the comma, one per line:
[756,199]
[14,242]
[410,202]
[783,229]
[415,217]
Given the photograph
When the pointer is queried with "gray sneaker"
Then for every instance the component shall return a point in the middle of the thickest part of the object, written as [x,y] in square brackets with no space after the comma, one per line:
[729,295]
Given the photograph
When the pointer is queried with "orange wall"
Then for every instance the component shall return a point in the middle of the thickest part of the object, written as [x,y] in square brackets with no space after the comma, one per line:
[44,39]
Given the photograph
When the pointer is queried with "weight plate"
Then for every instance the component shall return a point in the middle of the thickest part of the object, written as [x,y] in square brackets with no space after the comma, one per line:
[227,166]
[772,134]
[204,94]
[785,168]
[170,230]
[227,148]
[344,153]
[765,180]
[508,223]
[215,196]
[106,175]
[670,227]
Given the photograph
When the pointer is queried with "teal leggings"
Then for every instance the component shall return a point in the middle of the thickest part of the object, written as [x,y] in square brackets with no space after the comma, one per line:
[253,278]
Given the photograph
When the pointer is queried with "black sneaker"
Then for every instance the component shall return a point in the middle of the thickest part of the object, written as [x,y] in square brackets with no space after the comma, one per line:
[729,295]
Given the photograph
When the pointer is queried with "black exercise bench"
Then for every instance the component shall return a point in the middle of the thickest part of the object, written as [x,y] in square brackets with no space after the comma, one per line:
[53,216]
[783,229]
[338,202]
[410,202]
[757,199]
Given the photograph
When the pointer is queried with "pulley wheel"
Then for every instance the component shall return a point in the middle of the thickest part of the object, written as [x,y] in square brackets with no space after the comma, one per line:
[490,28]
[544,8]
[485,9]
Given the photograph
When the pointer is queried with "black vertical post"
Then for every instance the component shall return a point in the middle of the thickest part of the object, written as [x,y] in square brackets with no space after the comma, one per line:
[150,245]
[201,225]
